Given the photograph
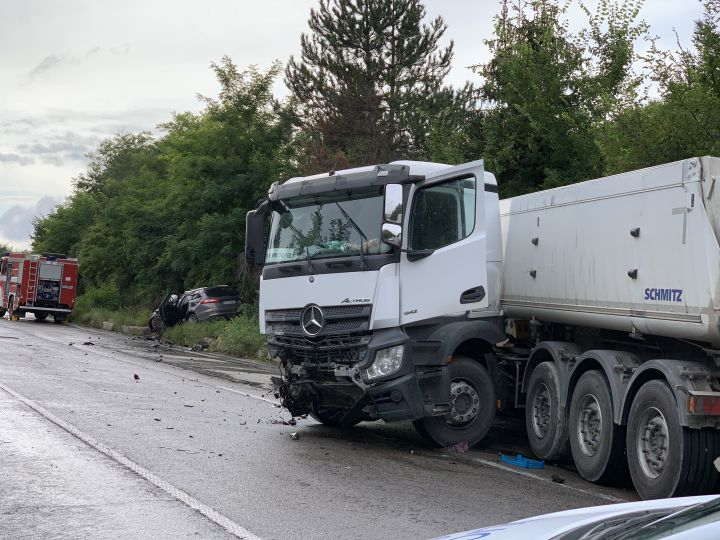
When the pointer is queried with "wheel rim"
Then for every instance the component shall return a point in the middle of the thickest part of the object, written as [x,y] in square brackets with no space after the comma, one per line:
[589,425]
[653,442]
[464,403]
[541,411]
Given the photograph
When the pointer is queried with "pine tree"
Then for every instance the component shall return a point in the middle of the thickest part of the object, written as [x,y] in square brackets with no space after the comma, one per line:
[365,79]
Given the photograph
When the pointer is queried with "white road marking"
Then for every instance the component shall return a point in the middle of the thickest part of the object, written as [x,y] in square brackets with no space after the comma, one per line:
[214,516]
[610,498]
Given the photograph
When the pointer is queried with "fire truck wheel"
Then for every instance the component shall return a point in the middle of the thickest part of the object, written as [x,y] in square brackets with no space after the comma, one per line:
[41,316]
[472,406]
[59,319]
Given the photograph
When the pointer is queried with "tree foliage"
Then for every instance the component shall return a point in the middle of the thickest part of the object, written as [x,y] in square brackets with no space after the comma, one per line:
[369,83]
[152,214]
[549,89]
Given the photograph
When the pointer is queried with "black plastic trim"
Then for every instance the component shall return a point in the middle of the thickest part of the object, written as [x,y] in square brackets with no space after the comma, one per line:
[491,188]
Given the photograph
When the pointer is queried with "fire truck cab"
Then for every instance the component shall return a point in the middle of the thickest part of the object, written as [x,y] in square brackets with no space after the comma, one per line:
[44,284]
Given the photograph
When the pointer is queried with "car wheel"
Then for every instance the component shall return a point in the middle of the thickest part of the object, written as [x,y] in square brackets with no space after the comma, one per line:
[545,420]
[191,318]
[596,442]
[472,406]
[156,324]
[666,459]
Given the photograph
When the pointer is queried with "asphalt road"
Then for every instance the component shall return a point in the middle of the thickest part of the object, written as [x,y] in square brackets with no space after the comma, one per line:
[103,436]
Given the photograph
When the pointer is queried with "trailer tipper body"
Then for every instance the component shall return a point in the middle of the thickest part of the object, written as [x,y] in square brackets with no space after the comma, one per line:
[42,284]
[408,291]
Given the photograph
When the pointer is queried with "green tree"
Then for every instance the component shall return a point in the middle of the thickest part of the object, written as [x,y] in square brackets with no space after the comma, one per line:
[684,120]
[549,90]
[367,81]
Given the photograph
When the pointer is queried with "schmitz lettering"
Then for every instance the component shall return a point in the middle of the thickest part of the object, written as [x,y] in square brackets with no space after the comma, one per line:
[664,295]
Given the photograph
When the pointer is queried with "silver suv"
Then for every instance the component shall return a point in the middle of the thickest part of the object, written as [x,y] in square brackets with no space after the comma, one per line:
[203,304]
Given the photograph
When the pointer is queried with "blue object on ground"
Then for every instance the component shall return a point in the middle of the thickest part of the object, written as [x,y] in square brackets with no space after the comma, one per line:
[520,461]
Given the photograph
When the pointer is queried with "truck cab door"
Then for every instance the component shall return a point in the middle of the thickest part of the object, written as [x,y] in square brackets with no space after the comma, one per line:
[443,269]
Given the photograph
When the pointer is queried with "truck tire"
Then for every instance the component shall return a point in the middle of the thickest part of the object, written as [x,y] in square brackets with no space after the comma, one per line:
[59,319]
[40,316]
[330,416]
[596,442]
[472,406]
[666,459]
[545,420]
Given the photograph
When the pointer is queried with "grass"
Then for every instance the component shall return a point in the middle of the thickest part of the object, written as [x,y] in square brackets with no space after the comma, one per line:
[239,336]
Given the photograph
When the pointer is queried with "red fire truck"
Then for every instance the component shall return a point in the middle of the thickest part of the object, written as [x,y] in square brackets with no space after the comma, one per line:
[43,284]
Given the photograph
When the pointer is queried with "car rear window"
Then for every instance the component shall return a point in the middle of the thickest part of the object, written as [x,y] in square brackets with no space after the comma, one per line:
[221,291]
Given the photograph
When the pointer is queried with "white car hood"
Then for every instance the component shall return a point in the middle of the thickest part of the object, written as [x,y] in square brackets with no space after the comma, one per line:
[547,526]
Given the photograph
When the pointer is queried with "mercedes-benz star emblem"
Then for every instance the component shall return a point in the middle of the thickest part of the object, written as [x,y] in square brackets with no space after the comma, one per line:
[312,320]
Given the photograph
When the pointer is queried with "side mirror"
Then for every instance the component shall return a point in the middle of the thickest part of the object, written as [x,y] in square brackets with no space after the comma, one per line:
[255,237]
[393,203]
[392,234]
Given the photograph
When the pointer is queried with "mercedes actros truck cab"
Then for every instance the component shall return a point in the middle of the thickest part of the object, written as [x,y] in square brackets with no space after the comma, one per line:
[409,292]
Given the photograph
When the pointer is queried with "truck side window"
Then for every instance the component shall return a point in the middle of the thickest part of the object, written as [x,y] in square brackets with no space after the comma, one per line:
[443,214]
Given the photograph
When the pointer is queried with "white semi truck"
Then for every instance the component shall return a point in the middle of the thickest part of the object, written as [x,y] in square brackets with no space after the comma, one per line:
[408,291]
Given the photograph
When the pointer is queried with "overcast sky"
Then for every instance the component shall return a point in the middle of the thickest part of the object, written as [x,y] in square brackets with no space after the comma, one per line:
[74,72]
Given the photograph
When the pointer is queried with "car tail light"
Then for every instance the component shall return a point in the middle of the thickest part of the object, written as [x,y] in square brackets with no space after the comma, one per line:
[211,301]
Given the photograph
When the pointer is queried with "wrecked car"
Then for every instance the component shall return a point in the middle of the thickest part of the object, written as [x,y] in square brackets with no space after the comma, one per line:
[195,305]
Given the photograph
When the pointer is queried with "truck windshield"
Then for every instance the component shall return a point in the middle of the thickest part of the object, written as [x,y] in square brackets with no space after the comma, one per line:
[334,224]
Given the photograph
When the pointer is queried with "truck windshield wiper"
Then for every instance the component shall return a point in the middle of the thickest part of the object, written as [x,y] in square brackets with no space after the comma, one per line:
[359,231]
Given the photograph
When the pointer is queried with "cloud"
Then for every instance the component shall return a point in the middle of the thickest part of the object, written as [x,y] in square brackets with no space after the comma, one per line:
[46,64]
[16,222]
[16,158]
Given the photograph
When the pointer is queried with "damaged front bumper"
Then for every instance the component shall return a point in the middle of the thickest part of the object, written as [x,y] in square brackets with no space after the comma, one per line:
[410,392]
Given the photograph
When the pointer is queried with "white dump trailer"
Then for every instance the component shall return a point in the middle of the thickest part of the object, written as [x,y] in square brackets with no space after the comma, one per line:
[628,268]
[408,291]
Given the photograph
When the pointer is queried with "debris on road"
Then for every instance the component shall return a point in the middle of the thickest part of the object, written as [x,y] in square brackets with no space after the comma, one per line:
[520,461]
[461,448]
[88,343]
[557,479]
[136,376]
[295,436]
[157,419]
[292,422]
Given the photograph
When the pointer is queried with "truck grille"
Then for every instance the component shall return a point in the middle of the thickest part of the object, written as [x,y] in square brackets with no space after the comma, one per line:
[338,349]
[339,320]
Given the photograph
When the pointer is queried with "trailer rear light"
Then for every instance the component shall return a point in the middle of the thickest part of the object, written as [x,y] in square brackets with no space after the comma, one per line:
[211,301]
[704,403]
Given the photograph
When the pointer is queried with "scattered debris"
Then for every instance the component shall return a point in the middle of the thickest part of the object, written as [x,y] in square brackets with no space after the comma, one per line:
[292,422]
[557,479]
[461,448]
[87,343]
[197,347]
[520,461]
[243,423]
[136,376]
[157,419]
[295,436]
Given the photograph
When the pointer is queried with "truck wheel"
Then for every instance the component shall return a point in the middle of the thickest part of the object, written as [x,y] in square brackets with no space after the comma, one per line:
[545,421]
[41,316]
[59,319]
[596,442]
[472,406]
[330,416]
[665,459]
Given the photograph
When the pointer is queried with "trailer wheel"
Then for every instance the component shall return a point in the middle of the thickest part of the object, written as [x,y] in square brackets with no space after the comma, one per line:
[596,442]
[472,412]
[666,459]
[545,421]
[40,315]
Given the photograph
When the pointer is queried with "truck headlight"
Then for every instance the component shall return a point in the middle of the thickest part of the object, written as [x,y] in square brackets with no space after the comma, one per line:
[387,361]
